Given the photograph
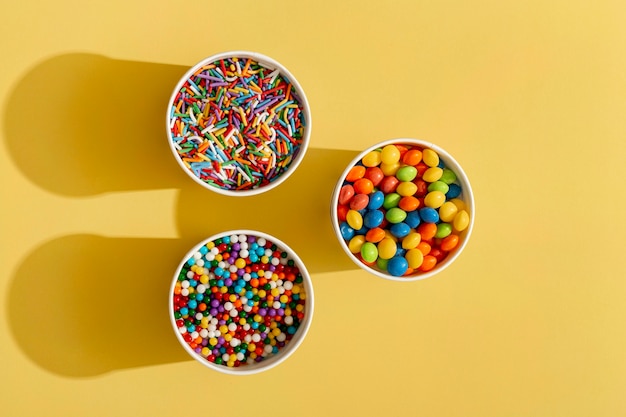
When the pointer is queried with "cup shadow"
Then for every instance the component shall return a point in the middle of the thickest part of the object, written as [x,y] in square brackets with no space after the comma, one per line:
[297,212]
[81,125]
[84,305]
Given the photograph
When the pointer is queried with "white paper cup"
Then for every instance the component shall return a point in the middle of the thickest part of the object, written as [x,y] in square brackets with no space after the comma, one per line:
[466,196]
[205,153]
[221,307]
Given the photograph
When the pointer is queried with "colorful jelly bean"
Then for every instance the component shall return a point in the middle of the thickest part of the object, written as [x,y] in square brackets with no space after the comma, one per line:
[237,124]
[369,252]
[239,300]
[415,215]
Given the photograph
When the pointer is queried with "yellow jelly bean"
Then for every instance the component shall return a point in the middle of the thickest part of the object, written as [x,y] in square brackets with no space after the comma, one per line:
[461,221]
[432,174]
[390,154]
[371,159]
[354,219]
[406,188]
[390,169]
[387,248]
[354,245]
[434,199]
[460,204]
[411,240]
[447,211]
[414,257]
[430,157]
[389,235]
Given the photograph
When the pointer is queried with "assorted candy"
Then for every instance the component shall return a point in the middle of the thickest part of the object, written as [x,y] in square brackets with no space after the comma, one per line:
[238,300]
[237,124]
[400,211]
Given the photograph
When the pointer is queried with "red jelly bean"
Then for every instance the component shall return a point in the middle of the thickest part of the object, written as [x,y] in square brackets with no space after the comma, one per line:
[359,202]
[422,187]
[388,184]
[421,168]
[375,175]
[345,194]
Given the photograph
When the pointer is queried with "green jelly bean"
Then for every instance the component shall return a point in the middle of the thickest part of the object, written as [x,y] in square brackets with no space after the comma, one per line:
[369,252]
[407,173]
[391,200]
[448,176]
[395,215]
[382,263]
[443,230]
[439,186]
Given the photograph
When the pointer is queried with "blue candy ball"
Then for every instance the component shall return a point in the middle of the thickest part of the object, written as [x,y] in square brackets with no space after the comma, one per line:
[429,215]
[373,218]
[397,266]
[412,219]
[376,200]
[347,232]
[453,192]
[400,230]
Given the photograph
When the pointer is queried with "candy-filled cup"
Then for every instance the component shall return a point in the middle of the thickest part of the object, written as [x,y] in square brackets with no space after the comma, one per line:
[403,209]
[241,302]
[238,123]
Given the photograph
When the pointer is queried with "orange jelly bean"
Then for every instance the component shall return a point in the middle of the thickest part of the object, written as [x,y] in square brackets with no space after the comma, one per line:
[428,263]
[409,203]
[412,157]
[423,247]
[449,242]
[427,230]
[363,186]
[375,235]
[355,173]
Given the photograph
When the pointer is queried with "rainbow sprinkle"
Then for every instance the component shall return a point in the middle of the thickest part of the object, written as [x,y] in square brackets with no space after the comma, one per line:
[237,124]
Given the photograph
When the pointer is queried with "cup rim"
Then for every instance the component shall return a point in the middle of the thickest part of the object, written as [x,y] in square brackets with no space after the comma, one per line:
[270,62]
[289,348]
[468,199]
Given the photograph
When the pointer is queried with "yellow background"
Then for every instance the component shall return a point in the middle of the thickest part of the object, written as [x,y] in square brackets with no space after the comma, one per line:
[530,98]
